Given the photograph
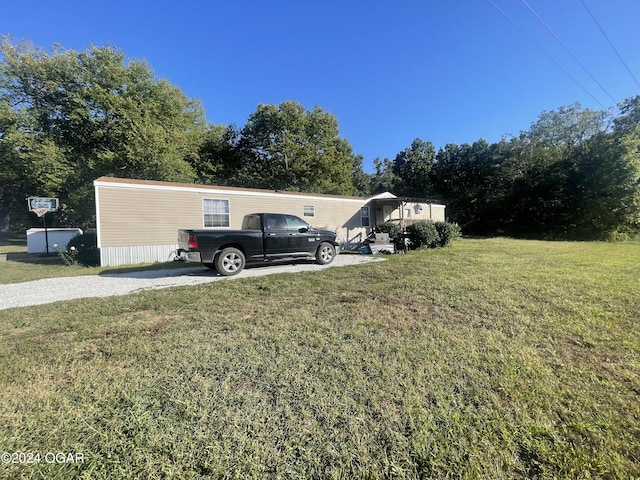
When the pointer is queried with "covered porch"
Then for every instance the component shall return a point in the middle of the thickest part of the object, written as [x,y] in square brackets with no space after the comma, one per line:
[405,210]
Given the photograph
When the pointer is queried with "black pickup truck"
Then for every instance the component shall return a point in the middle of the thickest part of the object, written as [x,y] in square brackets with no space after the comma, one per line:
[265,237]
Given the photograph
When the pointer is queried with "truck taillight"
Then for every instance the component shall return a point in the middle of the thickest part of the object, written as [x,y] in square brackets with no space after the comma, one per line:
[193,242]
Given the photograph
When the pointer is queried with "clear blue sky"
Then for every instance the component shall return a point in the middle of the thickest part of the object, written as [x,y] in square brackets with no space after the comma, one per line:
[388,70]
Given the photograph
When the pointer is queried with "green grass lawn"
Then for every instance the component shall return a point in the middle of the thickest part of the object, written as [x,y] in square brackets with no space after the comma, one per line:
[12,243]
[18,266]
[491,359]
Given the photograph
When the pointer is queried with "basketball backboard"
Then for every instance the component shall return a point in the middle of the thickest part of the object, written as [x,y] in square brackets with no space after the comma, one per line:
[42,205]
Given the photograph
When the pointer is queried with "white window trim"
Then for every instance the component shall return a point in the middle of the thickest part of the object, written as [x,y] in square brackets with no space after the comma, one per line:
[368,216]
[204,213]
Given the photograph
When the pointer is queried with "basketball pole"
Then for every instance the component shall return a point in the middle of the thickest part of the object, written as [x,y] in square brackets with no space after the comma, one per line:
[46,233]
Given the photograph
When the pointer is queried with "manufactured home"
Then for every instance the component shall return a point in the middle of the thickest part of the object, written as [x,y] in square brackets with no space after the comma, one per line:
[137,221]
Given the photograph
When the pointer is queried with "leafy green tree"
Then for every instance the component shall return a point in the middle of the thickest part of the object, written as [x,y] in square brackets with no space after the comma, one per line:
[589,178]
[561,131]
[412,166]
[360,180]
[213,164]
[467,177]
[607,197]
[627,123]
[69,117]
[609,166]
[383,179]
[287,147]
[570,176]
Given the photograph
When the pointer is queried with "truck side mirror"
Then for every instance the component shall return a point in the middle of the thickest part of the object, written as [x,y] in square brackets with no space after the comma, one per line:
[303,230]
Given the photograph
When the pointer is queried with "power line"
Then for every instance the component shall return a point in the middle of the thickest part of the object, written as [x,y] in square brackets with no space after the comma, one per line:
[567,49]
[544,52]
[611,44]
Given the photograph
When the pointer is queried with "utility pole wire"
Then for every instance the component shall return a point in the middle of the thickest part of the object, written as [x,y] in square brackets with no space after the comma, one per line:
[567,49]
[545,53]
[611,44]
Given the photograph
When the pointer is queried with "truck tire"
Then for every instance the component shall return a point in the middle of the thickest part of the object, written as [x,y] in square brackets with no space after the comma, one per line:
[325,254]
[229,261]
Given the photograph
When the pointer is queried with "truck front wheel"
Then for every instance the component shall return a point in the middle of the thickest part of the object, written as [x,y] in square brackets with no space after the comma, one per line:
[229,261]
[325,254]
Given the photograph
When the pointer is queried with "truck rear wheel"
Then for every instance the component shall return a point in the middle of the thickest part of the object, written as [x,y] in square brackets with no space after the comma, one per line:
[325,254]
[229,261]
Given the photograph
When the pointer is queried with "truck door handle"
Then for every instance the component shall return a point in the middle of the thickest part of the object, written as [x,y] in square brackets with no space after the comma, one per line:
[271,234]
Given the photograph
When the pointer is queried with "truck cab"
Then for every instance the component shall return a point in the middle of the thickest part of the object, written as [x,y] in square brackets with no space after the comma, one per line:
[283,234]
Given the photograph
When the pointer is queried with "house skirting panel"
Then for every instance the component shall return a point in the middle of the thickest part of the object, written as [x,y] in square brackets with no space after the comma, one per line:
[129,255]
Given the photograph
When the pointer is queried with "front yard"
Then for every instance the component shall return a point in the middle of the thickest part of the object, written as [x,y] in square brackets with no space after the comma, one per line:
[490,359]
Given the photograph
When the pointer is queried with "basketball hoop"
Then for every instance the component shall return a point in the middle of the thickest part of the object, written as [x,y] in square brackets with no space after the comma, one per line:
[40,211]
[40,206]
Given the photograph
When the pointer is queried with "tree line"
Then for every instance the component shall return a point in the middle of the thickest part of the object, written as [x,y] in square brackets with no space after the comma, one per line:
[68,117]
[574,175]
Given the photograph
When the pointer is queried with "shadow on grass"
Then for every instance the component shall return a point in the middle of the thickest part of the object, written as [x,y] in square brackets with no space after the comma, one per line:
[181,268]
[13,248]
[178,268]
[12,239]
[154,270]
[34,258]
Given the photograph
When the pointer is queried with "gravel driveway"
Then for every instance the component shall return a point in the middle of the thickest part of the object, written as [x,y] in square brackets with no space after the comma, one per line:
[51,290]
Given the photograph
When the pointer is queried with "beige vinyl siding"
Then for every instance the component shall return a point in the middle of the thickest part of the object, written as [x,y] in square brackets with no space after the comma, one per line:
[130,216]
[430,211]
[329,213]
